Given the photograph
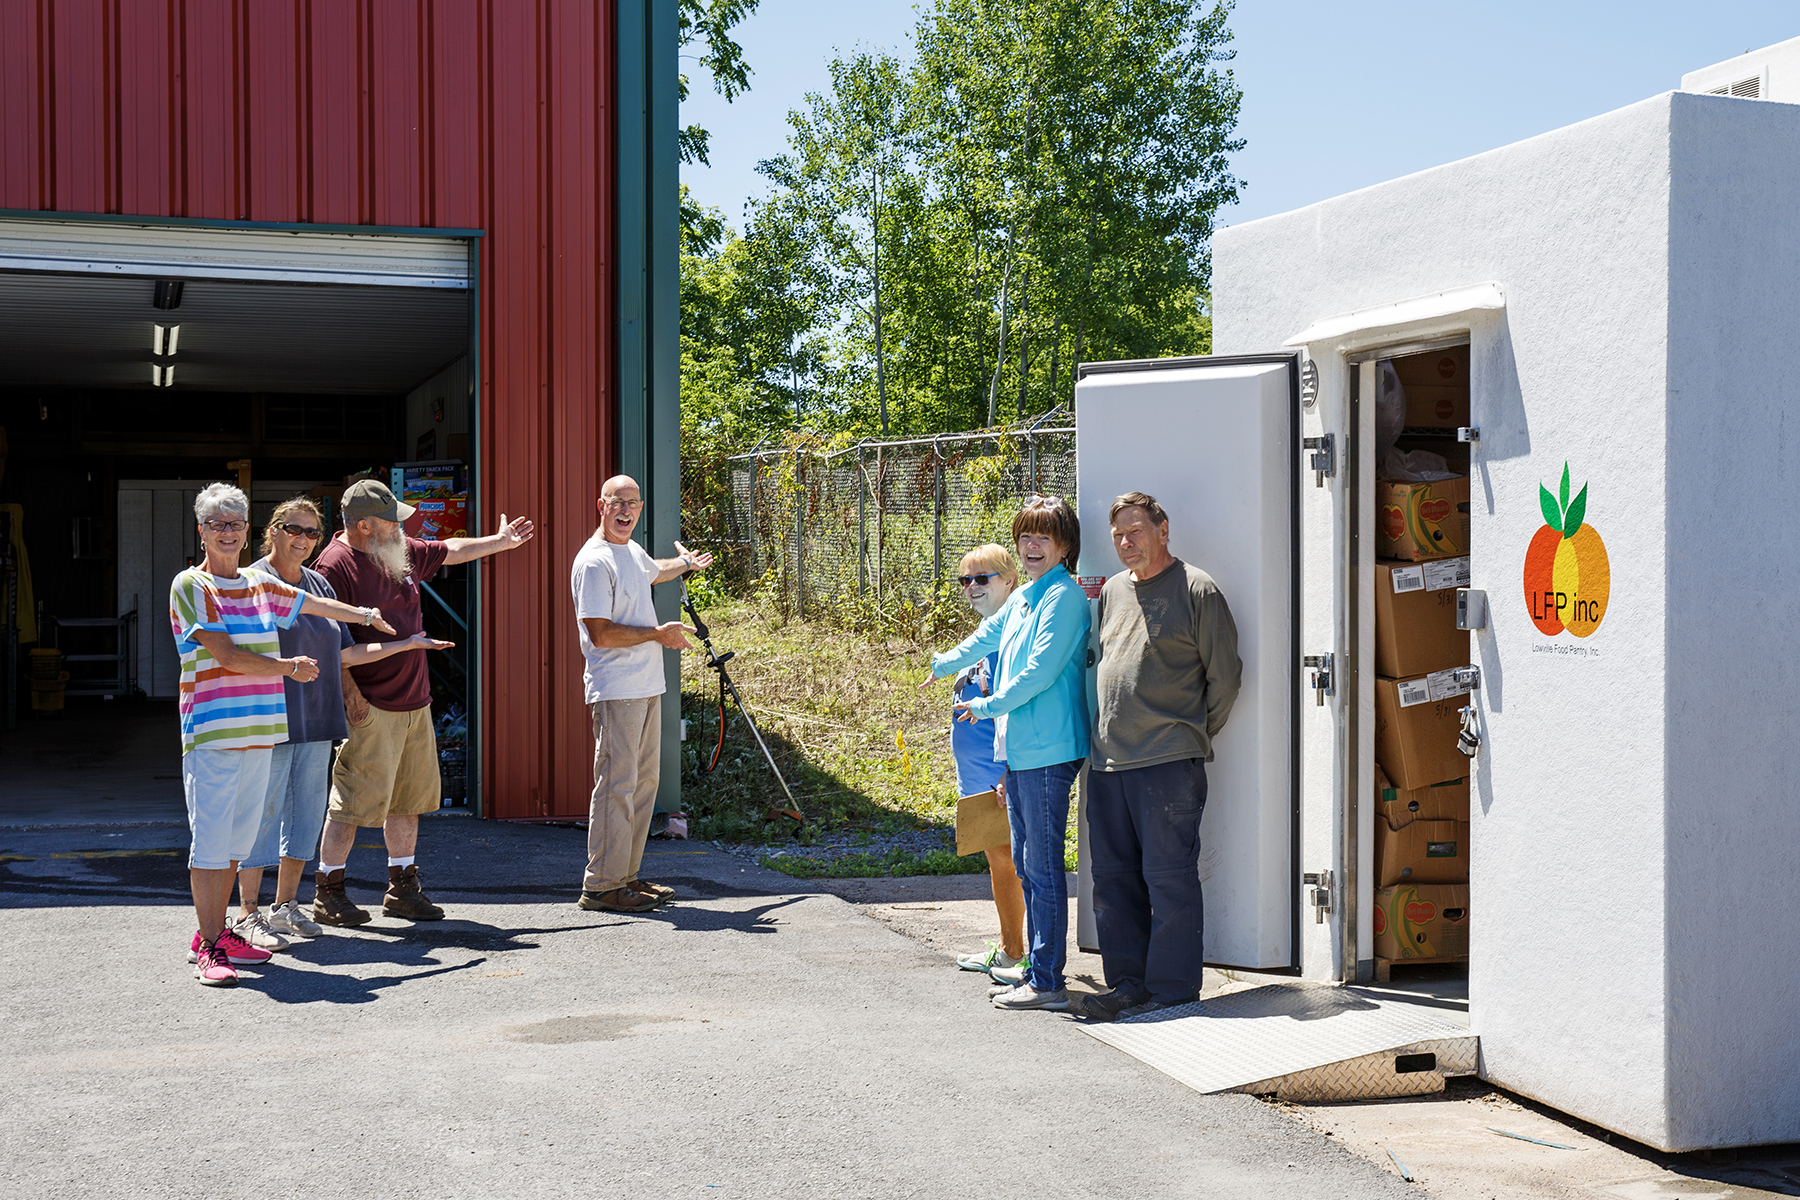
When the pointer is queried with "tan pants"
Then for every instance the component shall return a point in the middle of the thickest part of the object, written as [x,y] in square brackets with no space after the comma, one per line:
[388,768]
[627,764]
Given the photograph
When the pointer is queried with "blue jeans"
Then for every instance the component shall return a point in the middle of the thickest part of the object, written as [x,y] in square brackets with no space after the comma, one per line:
[1037,804]
[294,813]
[1144,832]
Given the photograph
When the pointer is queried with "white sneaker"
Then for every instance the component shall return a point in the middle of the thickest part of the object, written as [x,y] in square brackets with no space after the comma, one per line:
[289,917]
[1013,975]
[1025,996]
[255,930]
[986,960]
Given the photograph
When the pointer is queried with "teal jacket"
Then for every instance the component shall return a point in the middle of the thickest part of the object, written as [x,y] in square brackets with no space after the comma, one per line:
[1041,697]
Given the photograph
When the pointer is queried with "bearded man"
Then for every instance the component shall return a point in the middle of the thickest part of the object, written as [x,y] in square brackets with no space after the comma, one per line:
[387,772]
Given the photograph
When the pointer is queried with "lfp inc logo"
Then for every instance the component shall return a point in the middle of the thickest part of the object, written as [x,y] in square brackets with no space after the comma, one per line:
[1567,576]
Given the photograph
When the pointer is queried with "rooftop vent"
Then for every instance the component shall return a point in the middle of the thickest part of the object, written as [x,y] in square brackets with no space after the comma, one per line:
[1745,89]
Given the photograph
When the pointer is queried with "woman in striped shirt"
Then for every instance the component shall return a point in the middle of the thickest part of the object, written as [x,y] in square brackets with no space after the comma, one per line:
[233,710]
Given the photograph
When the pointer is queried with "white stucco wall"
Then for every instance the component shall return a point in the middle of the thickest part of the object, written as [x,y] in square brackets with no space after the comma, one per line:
[1569,973]
[1734,674]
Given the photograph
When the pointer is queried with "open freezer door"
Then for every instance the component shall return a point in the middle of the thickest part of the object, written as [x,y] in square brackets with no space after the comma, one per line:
[1215,440]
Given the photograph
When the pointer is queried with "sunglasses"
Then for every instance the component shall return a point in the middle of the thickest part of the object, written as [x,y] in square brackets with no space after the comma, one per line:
[977,580]
[305,531]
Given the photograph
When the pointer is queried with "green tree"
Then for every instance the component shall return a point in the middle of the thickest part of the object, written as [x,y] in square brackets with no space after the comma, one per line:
[706,25]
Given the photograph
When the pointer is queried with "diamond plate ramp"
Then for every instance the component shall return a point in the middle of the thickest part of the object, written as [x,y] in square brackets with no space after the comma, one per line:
[1304,1041]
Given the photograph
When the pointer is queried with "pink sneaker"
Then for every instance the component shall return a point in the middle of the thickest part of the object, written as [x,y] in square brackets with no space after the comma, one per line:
[230,948]
[211,969]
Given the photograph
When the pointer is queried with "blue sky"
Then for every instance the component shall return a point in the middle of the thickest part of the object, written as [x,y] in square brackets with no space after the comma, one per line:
[1337,96]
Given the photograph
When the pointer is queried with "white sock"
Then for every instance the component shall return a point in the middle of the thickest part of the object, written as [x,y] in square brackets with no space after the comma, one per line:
[402,863]
[328,868]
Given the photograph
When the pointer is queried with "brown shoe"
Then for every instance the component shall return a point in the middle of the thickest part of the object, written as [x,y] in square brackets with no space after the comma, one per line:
[330,905]
[406,899]
[644,887]
[619,900]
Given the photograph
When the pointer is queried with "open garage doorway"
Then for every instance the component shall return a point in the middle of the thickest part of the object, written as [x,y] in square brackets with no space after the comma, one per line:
[140,362]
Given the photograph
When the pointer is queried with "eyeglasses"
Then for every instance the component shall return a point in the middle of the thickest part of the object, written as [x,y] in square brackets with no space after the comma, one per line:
[977,580]
[305,531]
[627,505]
[228,526]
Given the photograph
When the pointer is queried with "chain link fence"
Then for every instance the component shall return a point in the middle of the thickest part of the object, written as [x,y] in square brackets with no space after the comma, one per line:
[870,533]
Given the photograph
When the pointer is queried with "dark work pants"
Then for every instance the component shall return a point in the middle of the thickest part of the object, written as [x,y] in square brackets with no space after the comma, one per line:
[1144,830]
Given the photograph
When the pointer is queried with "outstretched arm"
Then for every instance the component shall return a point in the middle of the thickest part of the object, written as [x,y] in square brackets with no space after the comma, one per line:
[511,535]
[674,568]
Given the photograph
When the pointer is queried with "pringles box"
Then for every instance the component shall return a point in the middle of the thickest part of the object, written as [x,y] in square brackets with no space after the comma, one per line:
[1419,521]
[1422,920]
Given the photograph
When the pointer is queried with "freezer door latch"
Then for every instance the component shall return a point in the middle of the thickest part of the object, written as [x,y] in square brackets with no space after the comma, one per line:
[1324,457]
[1320,883]
[1322,683]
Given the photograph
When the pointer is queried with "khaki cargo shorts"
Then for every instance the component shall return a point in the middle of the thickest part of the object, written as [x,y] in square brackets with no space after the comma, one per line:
[388,768]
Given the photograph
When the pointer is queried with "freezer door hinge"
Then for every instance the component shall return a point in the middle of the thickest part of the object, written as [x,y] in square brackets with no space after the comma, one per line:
[1320,897]
[1324,457]
[1322,682]
[1470,675]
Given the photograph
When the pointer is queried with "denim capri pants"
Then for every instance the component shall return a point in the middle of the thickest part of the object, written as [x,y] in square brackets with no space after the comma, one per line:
[294,816]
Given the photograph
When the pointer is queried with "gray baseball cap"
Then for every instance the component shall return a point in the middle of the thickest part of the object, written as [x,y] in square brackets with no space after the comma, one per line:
[367,498]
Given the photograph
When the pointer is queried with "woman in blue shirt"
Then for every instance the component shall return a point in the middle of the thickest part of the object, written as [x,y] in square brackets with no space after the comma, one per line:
[1042,729]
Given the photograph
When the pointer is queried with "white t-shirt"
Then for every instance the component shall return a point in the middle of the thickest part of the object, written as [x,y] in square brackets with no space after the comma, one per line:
[613,582]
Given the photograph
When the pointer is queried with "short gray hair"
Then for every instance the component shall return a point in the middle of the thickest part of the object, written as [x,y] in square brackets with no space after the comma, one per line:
[218,498]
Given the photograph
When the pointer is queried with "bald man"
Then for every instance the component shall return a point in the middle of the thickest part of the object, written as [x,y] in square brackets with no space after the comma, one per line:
[623,644]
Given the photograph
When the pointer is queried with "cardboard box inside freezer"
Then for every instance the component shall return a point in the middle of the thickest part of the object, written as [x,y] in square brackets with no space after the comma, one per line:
[1422,852]
[1422,920]
[1400,807]
[1419,521]
[1415,616]
[1416,724]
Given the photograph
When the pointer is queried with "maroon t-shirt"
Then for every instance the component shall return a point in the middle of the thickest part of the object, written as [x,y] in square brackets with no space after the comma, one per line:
[401,683]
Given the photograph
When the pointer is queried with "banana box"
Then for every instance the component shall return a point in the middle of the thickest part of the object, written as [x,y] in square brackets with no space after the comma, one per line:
[1422,920]
[1419,521]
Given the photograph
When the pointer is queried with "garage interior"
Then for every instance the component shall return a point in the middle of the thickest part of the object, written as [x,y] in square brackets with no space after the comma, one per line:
[137,371]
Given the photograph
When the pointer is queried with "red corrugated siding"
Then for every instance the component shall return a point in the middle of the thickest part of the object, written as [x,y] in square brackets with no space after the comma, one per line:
[474,114]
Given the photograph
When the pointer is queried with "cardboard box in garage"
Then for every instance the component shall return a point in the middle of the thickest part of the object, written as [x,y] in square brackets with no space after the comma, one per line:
[1400,807]
[1416,723]
[1415,616]
[1424,920]
[1417,521]
[1422,852]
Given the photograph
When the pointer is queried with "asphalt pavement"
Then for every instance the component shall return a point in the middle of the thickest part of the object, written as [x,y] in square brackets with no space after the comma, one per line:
[752,1038]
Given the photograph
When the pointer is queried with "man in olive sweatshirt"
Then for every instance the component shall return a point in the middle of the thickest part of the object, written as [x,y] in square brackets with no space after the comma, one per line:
[1168,675]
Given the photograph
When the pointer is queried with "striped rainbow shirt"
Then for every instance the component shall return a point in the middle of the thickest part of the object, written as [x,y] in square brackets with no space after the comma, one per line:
[220,709]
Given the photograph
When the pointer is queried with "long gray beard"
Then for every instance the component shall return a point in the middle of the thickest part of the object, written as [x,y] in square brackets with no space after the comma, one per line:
[391,557]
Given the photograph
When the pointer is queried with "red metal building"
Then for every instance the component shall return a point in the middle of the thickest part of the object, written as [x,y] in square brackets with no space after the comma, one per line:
[542,130]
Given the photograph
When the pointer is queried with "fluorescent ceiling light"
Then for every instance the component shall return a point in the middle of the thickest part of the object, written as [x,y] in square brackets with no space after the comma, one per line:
[169,375]
[156,340]
[155,375]
[174,336]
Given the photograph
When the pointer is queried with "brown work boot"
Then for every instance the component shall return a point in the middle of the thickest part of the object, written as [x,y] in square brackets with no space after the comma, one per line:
[406,899]
[655,891]
[330,905]
[619,900]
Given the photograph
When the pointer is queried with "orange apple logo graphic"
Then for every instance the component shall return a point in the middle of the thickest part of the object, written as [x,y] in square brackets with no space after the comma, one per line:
[1567,576]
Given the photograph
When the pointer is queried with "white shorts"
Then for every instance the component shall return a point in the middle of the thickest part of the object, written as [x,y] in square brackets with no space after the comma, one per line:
[227,792]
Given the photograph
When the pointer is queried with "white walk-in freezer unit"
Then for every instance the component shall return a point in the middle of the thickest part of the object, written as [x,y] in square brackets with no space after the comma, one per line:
[1626,288]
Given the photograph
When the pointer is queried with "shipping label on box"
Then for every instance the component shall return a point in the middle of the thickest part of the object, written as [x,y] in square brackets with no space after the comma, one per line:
[1428,920]
[1415,739]
[1415,616]
[1400,807]
[1422,852]
[1418,521]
